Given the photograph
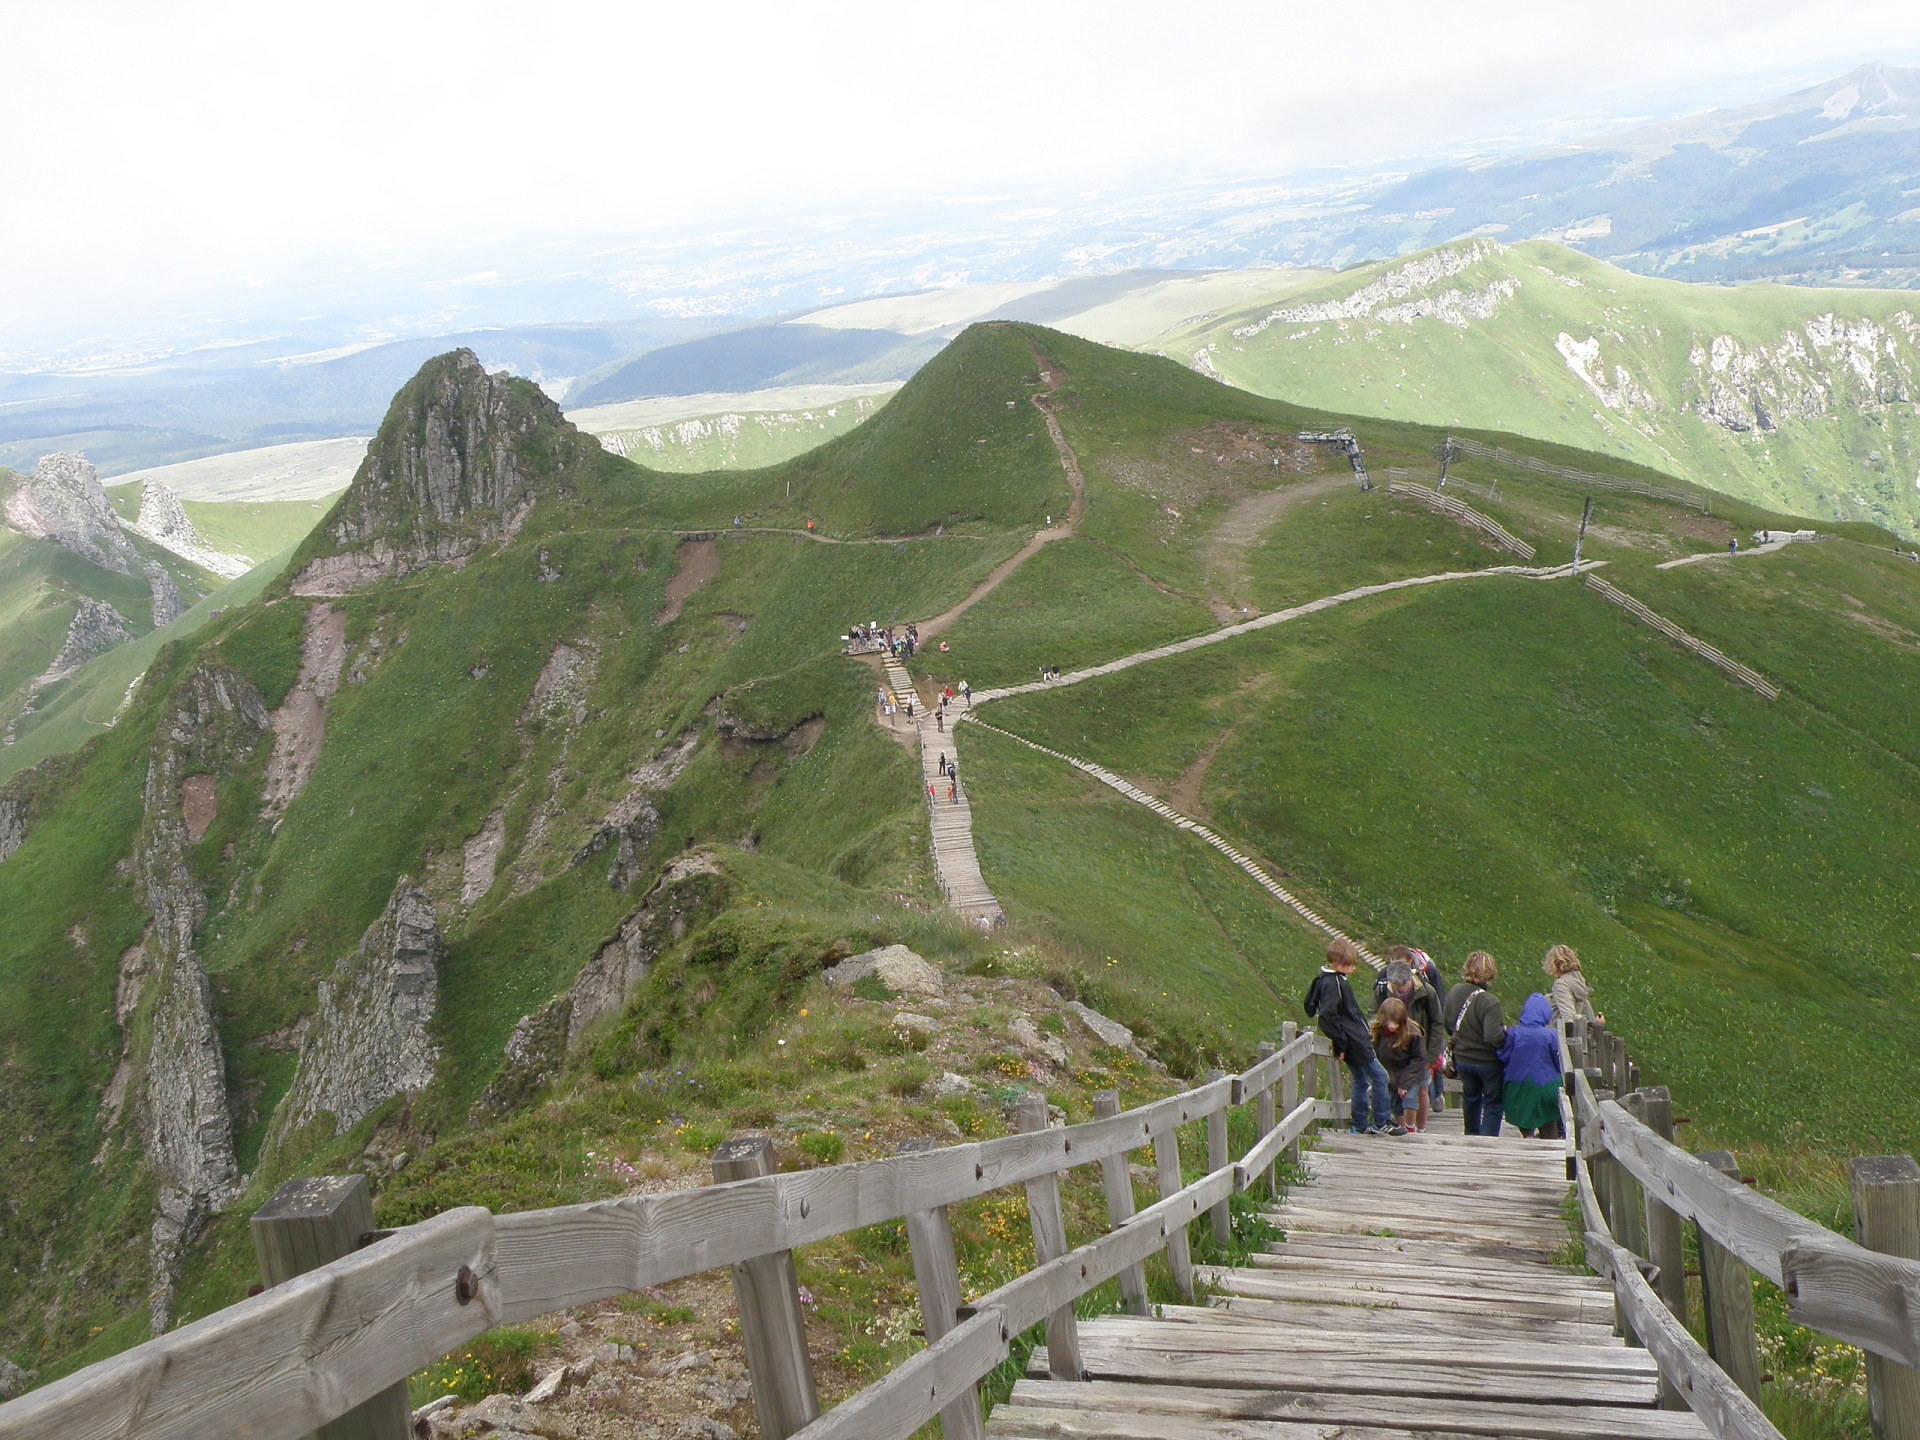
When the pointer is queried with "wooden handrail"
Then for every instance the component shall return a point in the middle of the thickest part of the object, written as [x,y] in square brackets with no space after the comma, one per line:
[285,1362]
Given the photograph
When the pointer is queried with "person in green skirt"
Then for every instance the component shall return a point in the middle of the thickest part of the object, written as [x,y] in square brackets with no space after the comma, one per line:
[1530,1064]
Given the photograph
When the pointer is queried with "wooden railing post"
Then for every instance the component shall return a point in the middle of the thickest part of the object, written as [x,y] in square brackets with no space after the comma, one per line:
[1665,1245]
[1166,1165]
[1626,1211]
[1217,1158]
[1886,1218]
[936,1273]
[306,1224]
[1263,1107]
[1289,1098]
[1120,1208]
[773,1332]
[1726,1290]
[1050,1243]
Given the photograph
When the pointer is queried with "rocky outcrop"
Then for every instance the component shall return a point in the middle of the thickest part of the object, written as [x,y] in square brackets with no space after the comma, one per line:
[163,521]
[630,825]
[1370,302]
[63,502]
[96,628]
[167,604]
[300,724]
[212,724]
[13,826]
[692,890]
[894,966]
[1829,363]
[460,461]
[13,1380]
[371,1038]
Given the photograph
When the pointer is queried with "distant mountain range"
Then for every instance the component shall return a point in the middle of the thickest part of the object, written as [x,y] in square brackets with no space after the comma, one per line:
[1818,187]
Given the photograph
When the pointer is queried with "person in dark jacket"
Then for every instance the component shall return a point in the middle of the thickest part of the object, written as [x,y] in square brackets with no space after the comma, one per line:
[1476,1028]
[1530,1071]
[1404,984]
[1331,1001]
[1402,1052]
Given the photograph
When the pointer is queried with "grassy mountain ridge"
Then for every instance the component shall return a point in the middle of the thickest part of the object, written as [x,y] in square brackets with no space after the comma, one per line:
[1796,399]
[535,727]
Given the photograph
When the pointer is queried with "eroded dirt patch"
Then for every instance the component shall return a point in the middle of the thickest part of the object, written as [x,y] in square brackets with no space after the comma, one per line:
[479,856]
[699,563]
[300,724]
[199,803]
[1239,528]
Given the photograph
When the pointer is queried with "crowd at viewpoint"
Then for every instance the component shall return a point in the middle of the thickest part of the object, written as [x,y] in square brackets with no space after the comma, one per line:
[900,644]
[1422,1033]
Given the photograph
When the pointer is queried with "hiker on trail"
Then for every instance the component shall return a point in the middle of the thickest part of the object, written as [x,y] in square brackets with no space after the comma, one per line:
[1476,1027]
[1401,1049]
[1403,985]
[931,797]
[1331,1001]
[966,693]
[1530,1065]
[1733,547]
[1572,996]
[940,721]
[953,788]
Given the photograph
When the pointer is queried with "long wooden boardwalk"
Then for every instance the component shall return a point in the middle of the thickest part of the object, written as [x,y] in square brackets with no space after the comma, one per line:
[950,822]
[1419,1291]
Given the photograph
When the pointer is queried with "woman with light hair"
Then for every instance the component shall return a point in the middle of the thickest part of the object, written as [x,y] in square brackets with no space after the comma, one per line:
[1572,997]
[1478,1028]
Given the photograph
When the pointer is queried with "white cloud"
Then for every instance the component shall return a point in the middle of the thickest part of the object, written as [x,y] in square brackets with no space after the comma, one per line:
[157,150]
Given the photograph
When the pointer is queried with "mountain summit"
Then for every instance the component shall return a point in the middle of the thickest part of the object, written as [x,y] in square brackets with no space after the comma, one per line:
[459,462]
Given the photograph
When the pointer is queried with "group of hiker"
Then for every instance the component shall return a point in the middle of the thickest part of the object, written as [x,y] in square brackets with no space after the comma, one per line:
[1422,1033]
[901,644]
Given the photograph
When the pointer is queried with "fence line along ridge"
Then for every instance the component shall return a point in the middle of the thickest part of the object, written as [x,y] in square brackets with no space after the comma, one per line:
[1744,674]
[1503,456]
[1447,505]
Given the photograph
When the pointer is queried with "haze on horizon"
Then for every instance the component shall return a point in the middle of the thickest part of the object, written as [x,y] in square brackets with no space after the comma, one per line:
[192,157]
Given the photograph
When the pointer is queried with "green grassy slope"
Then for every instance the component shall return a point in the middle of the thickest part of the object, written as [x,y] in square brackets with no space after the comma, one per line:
[254,528]
[1797,399]
[1494,762]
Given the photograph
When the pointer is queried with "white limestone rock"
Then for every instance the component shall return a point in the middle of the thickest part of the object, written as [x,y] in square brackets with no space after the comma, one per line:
[895,966]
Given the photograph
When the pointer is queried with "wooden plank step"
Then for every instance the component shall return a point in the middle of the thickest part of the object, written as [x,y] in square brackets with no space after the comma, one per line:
[1417,1327]
[1202,1330]
[1259,1285]
[1407,1270]
[1463,1251]
[1415,1382]
[1550,1234]
[1128,1409]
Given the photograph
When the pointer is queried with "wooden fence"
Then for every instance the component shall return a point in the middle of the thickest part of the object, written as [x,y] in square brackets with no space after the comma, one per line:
[1673,632]
[1503,456]
[1447,505]
[313,1348]
[1636,1188]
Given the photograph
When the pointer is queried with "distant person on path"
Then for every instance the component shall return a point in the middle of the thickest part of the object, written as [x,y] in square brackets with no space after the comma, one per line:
[1733,547]
[953,788]
[1422,1005]
[1401,1050]
[1331,1001]
[1530,1066]
[940,721]
[1476,1028]
[966,693]
[1572,996]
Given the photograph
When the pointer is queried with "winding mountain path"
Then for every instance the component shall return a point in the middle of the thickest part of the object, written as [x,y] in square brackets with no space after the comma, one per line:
[1240,527]
[1069,462]
[1277,617]
[950,822]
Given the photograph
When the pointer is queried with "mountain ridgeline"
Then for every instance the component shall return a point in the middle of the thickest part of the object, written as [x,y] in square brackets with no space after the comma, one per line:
[510,828]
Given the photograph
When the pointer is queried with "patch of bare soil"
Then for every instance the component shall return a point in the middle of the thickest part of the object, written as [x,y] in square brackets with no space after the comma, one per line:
[1185,795]
[479,856]
[300,724]
[199,803]
[1239,528]
[699,563]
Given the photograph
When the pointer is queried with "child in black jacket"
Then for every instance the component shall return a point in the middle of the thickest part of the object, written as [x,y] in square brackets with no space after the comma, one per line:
[1330,999]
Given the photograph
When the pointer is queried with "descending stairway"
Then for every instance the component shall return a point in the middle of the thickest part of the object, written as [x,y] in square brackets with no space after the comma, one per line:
[951,821]
[1418,1293]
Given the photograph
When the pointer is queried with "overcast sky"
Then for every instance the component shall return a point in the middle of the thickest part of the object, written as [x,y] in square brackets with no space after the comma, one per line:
[149,151]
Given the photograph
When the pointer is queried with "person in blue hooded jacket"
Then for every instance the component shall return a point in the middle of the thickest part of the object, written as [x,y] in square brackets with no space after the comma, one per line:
[1530,1063]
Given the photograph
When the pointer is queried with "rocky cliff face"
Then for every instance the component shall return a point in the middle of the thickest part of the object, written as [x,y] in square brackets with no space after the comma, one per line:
[460,461]
[13,827]
[63,502]
[370,1040]
[211,726]
[96,628]
[692,889]
[163,521]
